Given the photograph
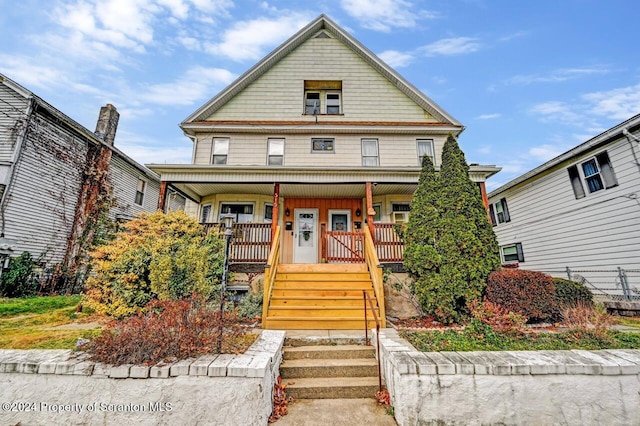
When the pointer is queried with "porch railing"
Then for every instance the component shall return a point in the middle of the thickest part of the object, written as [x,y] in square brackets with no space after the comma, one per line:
[343,247]
[270,274]
[389,246]
[250,242]
[375,270]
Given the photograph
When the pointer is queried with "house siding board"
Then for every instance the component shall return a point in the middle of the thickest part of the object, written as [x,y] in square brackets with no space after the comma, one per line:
[279,93]
[124,178]
[41,201]
[13,108]
[598,232]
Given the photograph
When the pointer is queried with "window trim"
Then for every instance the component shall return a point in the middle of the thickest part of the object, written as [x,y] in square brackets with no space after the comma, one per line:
[325,151]
[377,156]
[433,150]
[264,213]
[495,215]
[209,215]
[140,192]
[213,151]
[519,253]
[270,156]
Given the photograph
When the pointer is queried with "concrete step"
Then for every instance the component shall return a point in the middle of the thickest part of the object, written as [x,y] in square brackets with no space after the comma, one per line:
[347,351]
[332,387]
[337,368]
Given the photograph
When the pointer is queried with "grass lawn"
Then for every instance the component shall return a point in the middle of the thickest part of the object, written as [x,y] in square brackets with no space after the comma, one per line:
[47,322]
[487,339]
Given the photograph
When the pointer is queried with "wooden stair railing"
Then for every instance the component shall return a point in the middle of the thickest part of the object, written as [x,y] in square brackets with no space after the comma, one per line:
[270,274]
[375,270]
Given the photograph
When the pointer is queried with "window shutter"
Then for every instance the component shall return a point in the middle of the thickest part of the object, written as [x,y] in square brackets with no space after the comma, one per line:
[576,184]
[505,210]
[606,171]
[520,252]
[492,214]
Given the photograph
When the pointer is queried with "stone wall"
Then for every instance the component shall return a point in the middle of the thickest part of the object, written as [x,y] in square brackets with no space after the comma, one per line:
[511,388]
[57,387]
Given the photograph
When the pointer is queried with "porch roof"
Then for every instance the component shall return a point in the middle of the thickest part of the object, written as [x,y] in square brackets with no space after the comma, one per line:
[202,180]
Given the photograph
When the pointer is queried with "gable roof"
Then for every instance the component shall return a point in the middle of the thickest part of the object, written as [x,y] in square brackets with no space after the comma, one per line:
[631,125]
[326,24]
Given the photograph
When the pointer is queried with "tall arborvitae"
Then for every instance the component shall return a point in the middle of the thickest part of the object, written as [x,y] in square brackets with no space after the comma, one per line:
[450,264]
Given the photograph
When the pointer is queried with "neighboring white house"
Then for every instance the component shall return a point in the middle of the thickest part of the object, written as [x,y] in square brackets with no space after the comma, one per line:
[578,214]
[46,160]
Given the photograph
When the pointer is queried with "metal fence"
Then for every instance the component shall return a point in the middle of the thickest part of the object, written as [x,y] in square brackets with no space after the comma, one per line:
[613,284]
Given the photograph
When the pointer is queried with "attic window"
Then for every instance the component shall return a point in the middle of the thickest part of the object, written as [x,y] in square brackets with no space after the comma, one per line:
[322,97]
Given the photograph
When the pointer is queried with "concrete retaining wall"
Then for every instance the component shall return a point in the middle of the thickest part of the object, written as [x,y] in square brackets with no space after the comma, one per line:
[55,387]
[511,388]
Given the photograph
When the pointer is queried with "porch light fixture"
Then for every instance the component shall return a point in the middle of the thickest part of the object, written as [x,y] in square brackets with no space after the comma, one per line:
[287,212]
[227,219]
[358,212]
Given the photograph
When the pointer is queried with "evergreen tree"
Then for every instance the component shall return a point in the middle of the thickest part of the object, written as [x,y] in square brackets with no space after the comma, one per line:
[451,247]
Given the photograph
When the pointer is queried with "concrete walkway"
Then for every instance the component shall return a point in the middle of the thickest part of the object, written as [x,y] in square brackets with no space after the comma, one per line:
[343,412]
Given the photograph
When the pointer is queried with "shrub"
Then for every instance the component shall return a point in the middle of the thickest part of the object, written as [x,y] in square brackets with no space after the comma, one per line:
[571,293]
[19,280]
[528,293]
[450,245]
[497,317]
[168,330]
[251,306]
[586,320]
[157,256]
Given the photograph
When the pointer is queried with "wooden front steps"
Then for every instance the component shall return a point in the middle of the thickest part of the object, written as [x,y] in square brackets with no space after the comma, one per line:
[319,297]
[330,372]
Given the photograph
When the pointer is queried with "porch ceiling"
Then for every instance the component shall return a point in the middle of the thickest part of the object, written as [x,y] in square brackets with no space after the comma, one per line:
[350,190]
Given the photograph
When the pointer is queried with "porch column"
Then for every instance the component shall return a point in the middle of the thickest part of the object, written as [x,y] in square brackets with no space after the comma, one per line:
[162,196]
[276,210]
[485,198]
[370,211]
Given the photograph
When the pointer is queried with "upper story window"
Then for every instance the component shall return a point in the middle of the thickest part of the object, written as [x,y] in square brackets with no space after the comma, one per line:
[425,147]
[322,145]
[370,152]
[243,212]
[499,212]
[596,173]
[220,151]
[322,97]
[142,184]
[275,154]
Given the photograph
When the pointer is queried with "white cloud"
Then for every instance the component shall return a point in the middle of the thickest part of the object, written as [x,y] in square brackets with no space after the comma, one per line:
[545,152]
[451,46]
[488,116]
[559,75]
[556,111]
[396,59]
[512,36]
[25,71]
[383,15]
[248,39]
[197,83]
[618,104]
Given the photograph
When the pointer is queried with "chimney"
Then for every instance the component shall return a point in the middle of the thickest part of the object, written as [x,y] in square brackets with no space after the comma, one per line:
[107,124]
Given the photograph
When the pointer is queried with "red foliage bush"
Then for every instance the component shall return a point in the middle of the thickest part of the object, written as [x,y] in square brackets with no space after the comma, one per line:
[499,318]
[169,330]
[527,293]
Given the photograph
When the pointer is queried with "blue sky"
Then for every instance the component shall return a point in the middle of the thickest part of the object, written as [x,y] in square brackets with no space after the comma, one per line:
[529,80]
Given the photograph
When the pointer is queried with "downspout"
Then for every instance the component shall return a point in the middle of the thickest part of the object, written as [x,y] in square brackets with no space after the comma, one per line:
[22,135]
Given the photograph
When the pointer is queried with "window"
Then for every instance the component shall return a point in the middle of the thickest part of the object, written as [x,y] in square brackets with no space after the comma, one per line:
[322,145]
[512,253]
[499,212]
[220,150]
[322,97]
[370,152]
[400,212]
[268,213]
[275,154]
[425,147]
[596,172]
[140,191]
[205,215]
[243,213]
[378,209]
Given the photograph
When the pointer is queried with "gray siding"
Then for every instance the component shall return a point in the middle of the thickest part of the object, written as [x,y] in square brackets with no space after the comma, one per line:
[13,107]
[599,231]
[40,204]
[124,178]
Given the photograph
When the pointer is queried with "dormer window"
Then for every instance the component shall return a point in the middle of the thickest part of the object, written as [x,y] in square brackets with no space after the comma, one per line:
[322,97]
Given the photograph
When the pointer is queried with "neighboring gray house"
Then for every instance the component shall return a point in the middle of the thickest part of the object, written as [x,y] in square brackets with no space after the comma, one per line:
[53,172]
[578,214]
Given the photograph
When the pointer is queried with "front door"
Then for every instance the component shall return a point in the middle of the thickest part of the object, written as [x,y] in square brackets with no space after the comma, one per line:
[305,236]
